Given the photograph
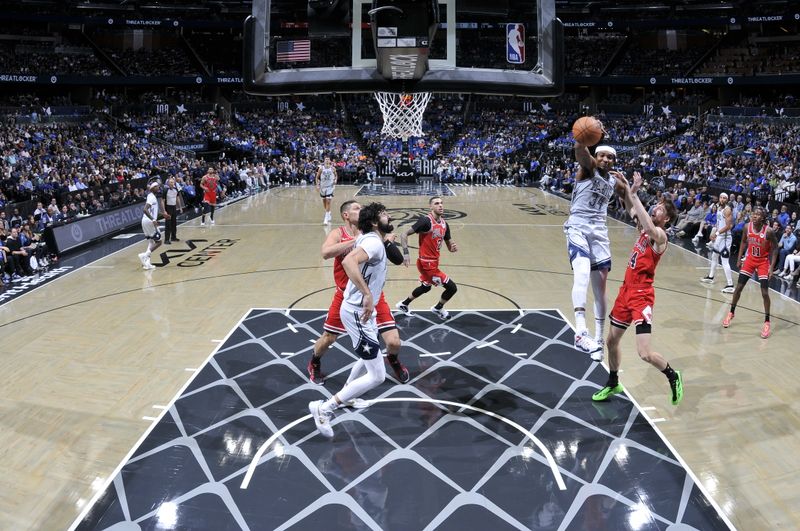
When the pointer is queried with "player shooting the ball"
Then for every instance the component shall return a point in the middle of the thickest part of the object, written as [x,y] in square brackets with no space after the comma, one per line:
[587,232]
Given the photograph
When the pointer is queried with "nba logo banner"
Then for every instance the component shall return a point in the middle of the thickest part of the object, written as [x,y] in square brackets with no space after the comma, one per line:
[515,43]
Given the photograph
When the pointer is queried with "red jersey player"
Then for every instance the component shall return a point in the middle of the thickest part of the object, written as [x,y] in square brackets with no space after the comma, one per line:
[338,243]
[209,184]
[762,246]
[636,297]
[432,230]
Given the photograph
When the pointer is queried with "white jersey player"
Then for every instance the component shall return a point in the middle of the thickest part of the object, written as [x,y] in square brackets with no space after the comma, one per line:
[365,266]
[587,240]
[325,183]
[721,240]
[150,224]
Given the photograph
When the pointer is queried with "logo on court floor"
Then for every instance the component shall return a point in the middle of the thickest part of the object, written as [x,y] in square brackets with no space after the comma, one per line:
[541,210]
[409,216]
[24,285]
[192,258]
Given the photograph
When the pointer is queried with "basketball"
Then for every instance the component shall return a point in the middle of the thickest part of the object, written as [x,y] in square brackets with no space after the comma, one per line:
[587,130]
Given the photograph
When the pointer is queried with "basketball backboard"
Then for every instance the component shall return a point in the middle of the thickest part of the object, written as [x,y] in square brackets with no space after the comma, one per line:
[498,47]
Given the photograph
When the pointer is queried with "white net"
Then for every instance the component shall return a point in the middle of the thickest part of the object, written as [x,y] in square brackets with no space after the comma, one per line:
[402,113]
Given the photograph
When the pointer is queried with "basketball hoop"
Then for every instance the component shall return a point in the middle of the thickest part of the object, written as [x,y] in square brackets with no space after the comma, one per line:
[402,113]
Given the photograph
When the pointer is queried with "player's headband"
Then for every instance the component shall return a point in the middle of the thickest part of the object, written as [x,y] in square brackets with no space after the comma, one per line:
[606,149]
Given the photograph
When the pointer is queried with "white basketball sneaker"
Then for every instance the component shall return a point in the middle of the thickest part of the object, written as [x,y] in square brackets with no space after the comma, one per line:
[322,418]
[586,343]
[358,403]
[442,314]
[143,259]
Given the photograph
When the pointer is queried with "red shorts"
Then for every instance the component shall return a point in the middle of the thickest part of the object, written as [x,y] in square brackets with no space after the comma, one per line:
[211,199]
[429,272]
[333,322]
[633,305]
[755,269]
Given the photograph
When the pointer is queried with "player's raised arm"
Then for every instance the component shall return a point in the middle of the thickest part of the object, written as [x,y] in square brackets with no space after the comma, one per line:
[656,234]
[586,161]
[622,188]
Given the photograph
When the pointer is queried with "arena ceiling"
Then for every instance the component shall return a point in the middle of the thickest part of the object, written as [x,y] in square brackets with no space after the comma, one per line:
[297,8]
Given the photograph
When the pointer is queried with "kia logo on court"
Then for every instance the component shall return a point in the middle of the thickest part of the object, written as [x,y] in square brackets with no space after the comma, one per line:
[408,216]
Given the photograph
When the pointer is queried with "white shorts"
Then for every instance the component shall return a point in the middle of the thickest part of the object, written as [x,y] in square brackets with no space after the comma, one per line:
[149,227]
[722,243]
[363,335]
[590,241]
[326,191]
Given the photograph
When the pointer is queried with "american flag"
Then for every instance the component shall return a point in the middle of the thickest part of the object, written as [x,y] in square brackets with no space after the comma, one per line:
[290,51]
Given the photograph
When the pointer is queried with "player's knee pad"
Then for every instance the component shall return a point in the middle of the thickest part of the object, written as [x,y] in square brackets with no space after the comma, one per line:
[450,289]
[422,289]
[156,237]
[725,253]
[764,284]
[743,279]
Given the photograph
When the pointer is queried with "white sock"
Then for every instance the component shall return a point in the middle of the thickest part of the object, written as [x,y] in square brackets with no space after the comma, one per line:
[581,269]
[147,253]
[580,321]
[714,259]
[726,267]
[599,329]
[599,290]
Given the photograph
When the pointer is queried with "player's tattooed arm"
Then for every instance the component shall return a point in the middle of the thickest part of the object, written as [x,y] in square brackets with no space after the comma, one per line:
[404,244]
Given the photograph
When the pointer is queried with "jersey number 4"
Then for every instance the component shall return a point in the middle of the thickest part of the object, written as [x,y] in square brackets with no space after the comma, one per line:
[632,261]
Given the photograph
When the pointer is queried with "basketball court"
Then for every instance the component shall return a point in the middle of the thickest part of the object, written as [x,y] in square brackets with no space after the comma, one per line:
[177,398]
[137,406]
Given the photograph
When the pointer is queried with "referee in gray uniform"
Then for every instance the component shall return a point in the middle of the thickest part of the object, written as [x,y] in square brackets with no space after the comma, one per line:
[171,208]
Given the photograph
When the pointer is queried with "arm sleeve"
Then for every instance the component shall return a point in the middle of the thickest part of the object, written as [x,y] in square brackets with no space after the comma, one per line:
[447,233]
[423,224]
[393,253]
